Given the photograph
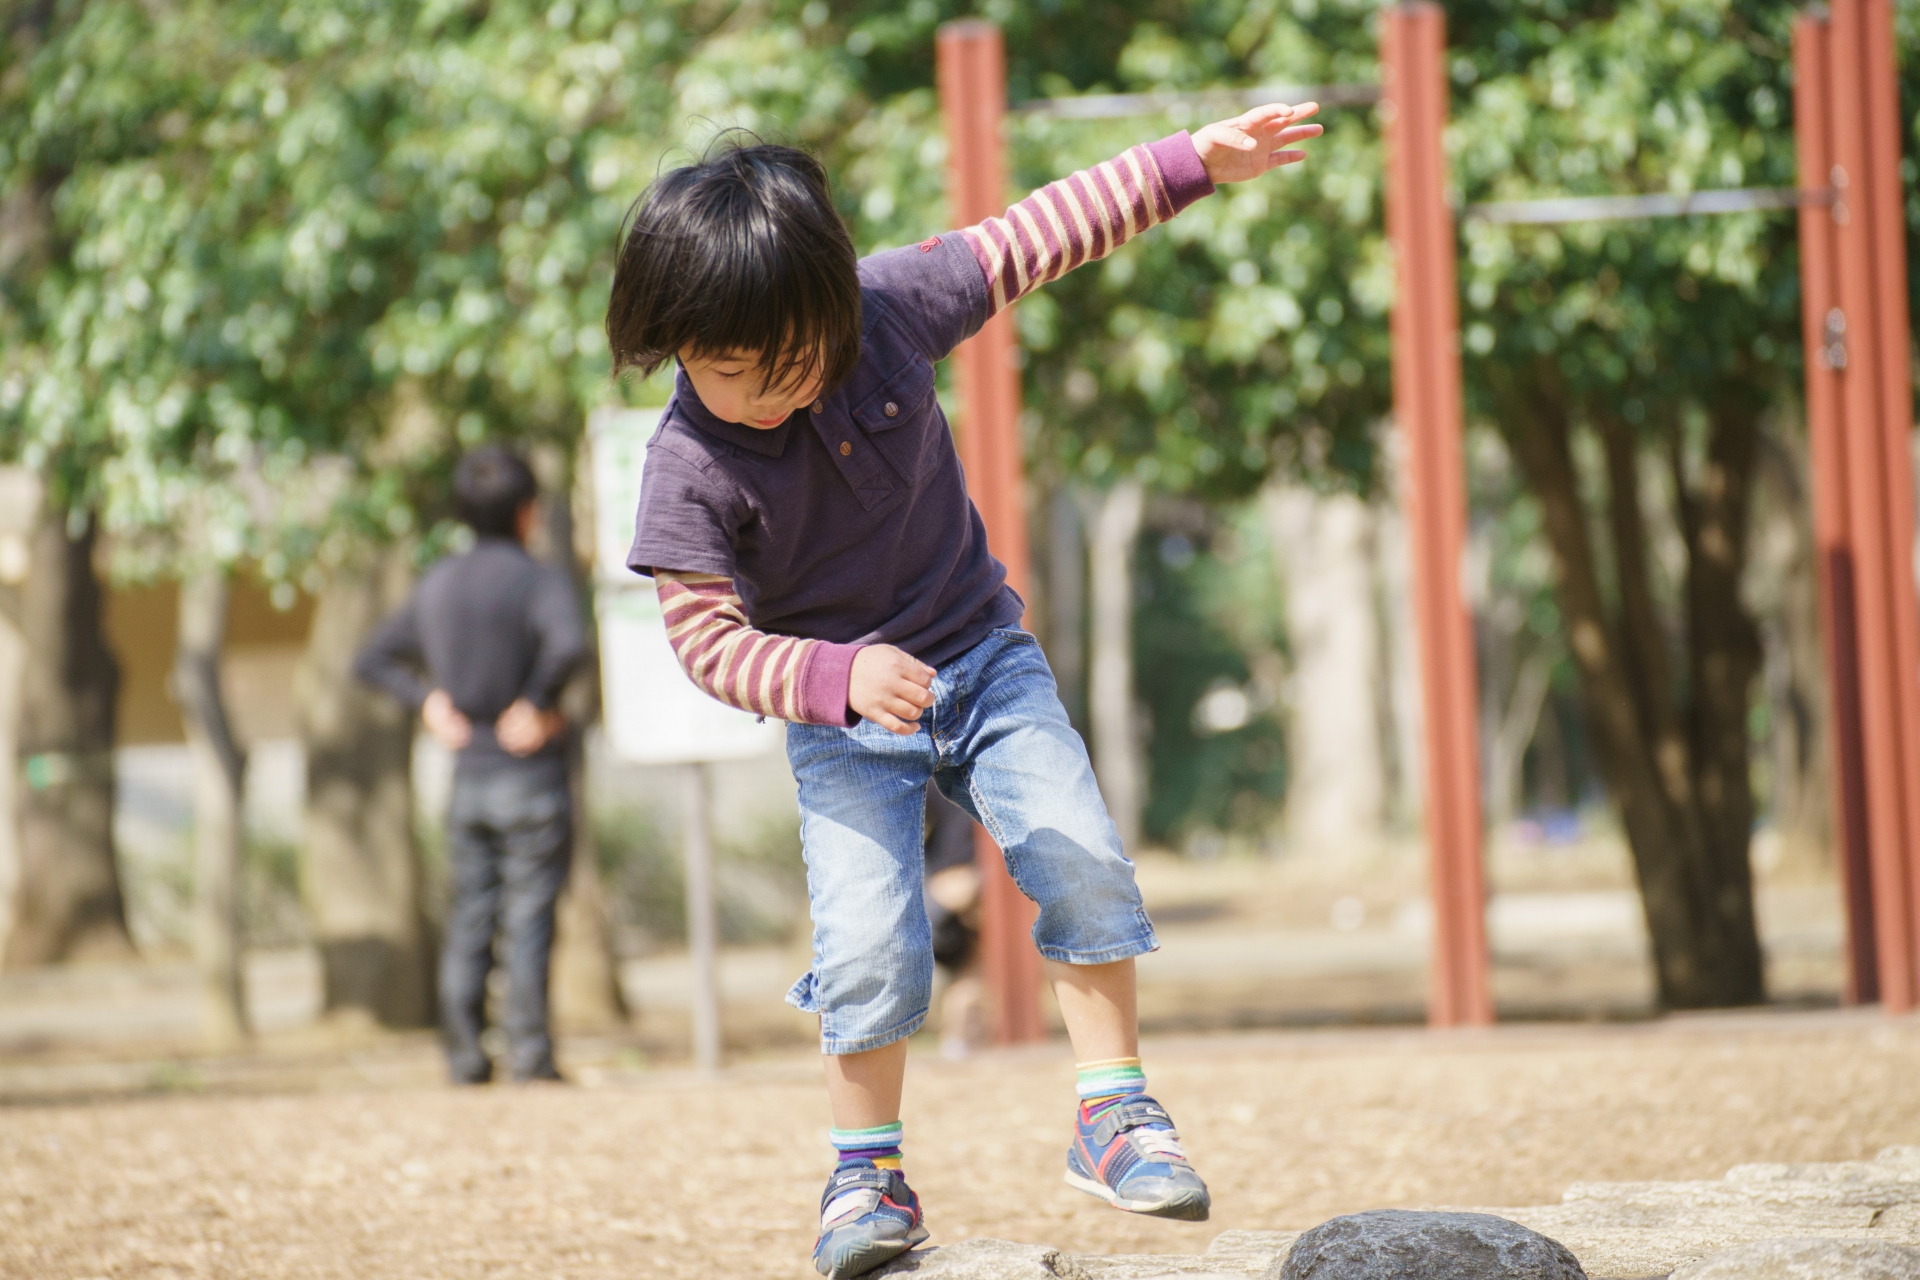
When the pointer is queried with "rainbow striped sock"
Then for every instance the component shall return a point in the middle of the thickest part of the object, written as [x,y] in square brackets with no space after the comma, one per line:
[1104,1084]
[880,1144]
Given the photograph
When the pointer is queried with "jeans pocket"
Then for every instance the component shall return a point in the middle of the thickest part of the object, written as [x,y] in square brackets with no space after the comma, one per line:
[1014,635]
[804,994]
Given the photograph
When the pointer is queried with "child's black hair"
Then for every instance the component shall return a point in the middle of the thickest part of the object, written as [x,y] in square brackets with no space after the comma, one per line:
[490,485]
[741,252]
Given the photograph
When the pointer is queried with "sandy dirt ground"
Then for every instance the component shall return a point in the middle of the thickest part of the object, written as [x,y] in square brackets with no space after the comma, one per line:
[659,1173]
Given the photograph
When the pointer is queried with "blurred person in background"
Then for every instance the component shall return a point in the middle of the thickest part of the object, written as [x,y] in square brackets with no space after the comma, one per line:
[480,651]
[953,912]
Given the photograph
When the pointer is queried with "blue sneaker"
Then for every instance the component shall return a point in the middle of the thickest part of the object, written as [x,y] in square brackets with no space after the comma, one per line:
[868,1217]
[1131,1158]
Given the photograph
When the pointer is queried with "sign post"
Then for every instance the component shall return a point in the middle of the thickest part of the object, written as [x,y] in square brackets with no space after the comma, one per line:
[653,713]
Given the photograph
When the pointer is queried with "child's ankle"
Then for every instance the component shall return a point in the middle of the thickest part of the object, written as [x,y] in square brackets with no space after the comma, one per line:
[879,1144]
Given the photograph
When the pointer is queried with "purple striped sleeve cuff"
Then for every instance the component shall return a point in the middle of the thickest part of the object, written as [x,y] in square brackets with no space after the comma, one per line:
[825,678]
[1180,168]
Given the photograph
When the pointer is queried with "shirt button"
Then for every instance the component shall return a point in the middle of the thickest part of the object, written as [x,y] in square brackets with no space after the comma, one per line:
[845,448]
[892,409]
[817,406]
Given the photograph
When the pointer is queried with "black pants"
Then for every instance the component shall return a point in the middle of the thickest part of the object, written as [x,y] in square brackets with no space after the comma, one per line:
[509,840]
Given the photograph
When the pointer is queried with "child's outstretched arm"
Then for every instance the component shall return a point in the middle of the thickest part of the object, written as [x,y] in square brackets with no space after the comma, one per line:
[1089,214]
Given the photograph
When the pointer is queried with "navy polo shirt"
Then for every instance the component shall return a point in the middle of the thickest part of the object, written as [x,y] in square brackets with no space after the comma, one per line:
[850,521]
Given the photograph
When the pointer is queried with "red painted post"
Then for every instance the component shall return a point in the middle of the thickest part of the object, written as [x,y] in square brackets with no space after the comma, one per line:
[1832,537]
[971,68]
[1427,405]
[1876,415]
[1884,194]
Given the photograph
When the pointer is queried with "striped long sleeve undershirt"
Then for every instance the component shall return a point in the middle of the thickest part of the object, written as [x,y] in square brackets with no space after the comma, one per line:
[804,681]
[1076,220]
[1065,224]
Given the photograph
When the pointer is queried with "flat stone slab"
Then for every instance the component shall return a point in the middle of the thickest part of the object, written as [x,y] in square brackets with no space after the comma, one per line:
[1004,1260]
[978,1260]
[1808,1260]
[1864,1213]
[1402,1244]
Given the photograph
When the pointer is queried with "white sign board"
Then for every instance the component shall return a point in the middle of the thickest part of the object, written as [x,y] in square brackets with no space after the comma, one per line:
[653,713]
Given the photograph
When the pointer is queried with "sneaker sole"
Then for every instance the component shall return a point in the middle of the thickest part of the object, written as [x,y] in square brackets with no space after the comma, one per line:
[873,1255]
[1191,1206]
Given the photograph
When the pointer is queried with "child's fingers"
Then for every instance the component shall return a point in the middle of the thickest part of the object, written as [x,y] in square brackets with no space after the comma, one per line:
[909,695]
[1261,116]
[1297,133]
[900,709]
[1279,158]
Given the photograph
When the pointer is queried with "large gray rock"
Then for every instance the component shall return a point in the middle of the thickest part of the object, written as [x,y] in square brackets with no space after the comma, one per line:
[1808,1260]
[1399,1244]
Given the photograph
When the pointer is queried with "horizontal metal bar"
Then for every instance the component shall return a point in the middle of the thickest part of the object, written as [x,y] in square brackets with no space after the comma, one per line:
[1609,208]
[1112,106]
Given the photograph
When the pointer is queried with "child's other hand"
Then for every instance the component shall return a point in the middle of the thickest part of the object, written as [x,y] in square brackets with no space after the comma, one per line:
[890,687]
[524,728]
[1252,143]
[444,721]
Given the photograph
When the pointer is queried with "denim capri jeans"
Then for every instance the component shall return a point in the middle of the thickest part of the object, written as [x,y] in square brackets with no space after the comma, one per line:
[997,743]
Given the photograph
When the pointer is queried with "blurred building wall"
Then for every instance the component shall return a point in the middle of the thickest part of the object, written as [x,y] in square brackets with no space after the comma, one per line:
[263,646]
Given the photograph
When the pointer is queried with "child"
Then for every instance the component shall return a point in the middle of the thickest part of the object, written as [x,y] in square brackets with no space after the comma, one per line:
[818,560]
[497,633]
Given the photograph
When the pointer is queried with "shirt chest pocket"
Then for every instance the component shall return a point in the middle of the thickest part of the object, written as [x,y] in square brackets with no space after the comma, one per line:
[902,418]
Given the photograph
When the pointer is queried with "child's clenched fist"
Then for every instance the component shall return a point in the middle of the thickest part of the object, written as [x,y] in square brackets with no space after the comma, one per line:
[890,687]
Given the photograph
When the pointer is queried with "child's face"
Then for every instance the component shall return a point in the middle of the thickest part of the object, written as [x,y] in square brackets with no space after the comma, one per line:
[733,387]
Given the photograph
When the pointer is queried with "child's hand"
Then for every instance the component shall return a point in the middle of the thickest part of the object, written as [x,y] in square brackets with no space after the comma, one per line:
[890,687]
[1249,144]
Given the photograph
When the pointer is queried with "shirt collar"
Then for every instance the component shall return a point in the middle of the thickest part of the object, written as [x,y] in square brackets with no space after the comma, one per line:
[770,443]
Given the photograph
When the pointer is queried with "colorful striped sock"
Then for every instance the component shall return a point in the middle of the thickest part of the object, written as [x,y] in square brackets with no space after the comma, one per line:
[880,1144]
[1104,1084]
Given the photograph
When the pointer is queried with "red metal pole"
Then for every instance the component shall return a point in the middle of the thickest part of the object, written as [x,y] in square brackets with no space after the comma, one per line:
[1884,194]
[1426,402]
[1876,423]
[1827,464]
[971,67]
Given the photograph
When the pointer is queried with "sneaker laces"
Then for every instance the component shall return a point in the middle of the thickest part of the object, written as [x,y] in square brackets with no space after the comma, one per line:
[1158,1142]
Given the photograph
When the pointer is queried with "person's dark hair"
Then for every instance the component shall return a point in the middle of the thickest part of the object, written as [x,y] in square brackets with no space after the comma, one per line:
[490,485]
[740,252]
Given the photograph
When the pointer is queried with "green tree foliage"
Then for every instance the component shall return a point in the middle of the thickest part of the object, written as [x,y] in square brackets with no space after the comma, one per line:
[305,251]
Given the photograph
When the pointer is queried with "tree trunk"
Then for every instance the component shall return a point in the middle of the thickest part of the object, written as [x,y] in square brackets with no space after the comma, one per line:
[1066,639]
[13,657]
[68,904]
[361,871]
[219,771]
[1674,755]
[1401,658]
[1509,735]
[19,510]
[1795,675]
[1337,776]
[586,975]
[1110,699]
